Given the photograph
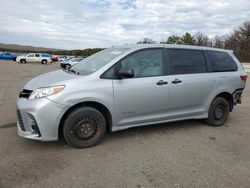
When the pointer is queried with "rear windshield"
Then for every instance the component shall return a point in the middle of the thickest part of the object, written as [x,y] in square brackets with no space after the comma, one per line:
[221,61]
[98,60]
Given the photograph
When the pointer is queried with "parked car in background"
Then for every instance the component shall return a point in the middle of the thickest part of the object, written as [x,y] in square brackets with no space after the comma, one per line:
[62,58]
[70,57]
[8,56]
[130,86]
[54,58]
[67,64]
[42,58]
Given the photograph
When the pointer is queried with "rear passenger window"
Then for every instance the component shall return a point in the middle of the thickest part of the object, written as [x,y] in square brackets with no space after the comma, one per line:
[187,61]
[221,61]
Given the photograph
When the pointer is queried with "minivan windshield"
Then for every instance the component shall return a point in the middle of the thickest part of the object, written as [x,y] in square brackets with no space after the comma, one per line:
[98,60]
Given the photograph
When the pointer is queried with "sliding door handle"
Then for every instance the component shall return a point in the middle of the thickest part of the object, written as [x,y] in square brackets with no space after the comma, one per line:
[176,81]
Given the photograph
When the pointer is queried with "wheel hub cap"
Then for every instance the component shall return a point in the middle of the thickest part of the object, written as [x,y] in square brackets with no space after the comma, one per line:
[219,112]
[85,128]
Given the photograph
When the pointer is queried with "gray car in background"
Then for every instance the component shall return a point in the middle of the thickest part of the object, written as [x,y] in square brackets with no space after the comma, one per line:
[130,86]
[68,63]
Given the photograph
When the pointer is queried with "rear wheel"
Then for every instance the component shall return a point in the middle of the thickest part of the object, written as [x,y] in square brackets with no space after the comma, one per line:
[84,127]
[218,112]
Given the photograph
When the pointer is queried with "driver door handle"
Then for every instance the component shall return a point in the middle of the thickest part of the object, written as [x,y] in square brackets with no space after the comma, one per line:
[162,82]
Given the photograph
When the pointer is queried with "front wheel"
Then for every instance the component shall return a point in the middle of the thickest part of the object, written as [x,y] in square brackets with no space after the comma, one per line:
[22,61]
[44,61]
[68,66]
[218,112]
[84,127]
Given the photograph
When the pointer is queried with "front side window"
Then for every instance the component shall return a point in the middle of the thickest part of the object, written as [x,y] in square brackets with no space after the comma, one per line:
[221,61]
[145,63]
[109,74]
[186,61]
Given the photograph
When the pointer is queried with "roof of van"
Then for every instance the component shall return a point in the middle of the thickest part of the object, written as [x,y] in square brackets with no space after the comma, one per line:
[142,46]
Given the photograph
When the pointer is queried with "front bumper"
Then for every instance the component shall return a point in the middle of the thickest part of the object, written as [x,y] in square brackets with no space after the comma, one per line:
[38,119]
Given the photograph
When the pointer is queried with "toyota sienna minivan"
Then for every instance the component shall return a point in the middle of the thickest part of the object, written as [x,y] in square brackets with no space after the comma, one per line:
[130,86]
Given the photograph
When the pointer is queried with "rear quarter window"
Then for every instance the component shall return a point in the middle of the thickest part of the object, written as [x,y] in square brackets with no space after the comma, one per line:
[221,61]
[45,55]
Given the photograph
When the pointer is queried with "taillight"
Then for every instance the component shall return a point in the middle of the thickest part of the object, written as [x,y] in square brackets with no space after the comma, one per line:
[243,77]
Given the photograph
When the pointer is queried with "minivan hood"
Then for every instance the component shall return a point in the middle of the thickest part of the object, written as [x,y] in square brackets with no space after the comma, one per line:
[49,79]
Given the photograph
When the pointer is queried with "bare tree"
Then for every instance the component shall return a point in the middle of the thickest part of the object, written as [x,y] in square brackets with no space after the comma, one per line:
[244,39]
[218,41]
[202,39]
[239,42]
[146,41]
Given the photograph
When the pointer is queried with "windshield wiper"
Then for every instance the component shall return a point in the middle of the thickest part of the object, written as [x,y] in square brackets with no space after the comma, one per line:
[72,71]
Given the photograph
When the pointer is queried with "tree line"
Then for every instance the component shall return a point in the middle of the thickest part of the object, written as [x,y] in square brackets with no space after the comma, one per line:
[84,53]
[238,41]
[31,49]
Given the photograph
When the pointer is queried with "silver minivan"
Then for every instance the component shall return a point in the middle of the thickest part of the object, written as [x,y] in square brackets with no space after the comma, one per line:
[130,86]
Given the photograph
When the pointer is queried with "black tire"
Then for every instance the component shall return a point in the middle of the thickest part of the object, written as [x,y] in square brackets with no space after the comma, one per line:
[218,112]
[84,127]
[44,61]
[68,66]
[23,61]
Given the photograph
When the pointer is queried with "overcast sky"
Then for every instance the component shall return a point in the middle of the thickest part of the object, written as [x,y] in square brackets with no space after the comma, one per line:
[71,24]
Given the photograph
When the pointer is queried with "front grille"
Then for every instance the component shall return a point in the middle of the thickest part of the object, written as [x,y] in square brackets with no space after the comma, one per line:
[20,121]
[25,93]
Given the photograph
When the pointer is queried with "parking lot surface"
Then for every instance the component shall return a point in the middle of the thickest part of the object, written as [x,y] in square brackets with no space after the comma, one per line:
[181,154]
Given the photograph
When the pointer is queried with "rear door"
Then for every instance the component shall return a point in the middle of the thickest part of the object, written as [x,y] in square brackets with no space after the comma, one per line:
[191,85]
[145,98]
[37,58]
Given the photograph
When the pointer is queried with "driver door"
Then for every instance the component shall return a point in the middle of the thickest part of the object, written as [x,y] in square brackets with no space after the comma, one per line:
[144,98]
[30,58]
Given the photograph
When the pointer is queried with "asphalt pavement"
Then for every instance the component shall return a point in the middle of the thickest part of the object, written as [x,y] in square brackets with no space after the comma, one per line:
[181,154]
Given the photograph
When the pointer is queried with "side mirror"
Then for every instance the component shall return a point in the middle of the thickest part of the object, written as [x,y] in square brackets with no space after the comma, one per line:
[125,73]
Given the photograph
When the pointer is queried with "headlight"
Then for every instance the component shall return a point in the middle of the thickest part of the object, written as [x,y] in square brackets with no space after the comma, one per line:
[45,91]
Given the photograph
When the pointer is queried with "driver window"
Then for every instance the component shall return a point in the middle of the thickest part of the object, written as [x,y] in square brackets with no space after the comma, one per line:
[145,63]
[31,55]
